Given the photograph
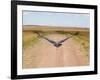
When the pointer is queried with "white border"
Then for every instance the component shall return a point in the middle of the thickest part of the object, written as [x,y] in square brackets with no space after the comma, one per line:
[21,71]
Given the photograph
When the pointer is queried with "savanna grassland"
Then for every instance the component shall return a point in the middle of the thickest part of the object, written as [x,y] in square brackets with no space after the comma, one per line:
[38,52]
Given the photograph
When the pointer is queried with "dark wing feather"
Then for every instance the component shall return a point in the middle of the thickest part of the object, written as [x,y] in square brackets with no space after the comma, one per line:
[67,38]
[63,40]
[51,41]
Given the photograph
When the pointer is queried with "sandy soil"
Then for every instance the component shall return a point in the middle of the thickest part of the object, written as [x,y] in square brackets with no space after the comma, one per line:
[44,54]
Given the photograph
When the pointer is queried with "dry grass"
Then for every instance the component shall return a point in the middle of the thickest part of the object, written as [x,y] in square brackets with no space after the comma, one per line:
[50,29]
[29,38]
[83,39]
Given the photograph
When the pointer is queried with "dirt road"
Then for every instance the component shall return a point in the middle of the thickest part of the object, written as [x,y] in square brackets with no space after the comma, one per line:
[44,54]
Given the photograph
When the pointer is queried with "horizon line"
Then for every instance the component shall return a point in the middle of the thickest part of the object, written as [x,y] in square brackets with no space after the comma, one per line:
[57,26]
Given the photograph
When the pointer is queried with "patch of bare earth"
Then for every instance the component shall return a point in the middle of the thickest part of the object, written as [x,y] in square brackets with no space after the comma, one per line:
[44,54]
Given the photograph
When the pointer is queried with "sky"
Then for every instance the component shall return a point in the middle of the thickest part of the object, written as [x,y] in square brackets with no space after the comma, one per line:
[63,19]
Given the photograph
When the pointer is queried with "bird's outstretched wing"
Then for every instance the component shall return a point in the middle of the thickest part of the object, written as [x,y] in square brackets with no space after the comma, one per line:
[64,40]
[67,38]
[51,41]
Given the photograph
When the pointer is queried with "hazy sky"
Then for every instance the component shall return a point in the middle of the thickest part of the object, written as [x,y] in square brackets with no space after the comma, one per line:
[56,19]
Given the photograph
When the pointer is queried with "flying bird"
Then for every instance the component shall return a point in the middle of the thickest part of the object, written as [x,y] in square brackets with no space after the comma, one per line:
[56,44]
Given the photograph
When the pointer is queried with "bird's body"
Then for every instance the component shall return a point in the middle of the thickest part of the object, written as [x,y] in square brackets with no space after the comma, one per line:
[57,45]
